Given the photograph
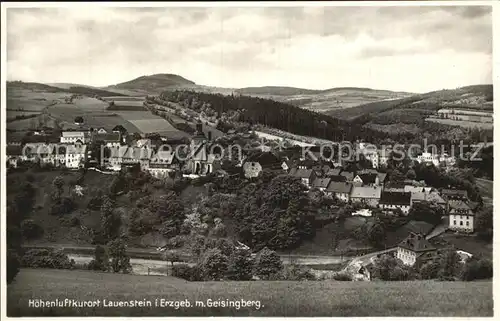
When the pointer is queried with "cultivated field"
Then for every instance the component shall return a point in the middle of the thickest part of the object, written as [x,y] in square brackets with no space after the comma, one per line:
[461,123]
[277,298]
[122,98]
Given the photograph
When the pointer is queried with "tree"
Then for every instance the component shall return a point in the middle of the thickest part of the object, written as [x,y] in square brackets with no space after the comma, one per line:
[240,266]
[476,269]
[120,262]
[450,266]
[410,174]
[172,257]
[389,268]
[376,234]
[79,120]
[110,221]
[214,265]
[484,223]
[430,270]
[100,261]
[425,211]
[13,265]
[267,264]
[31,230]
[58,183]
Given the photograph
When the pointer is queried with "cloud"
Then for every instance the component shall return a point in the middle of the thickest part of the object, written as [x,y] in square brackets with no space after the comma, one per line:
[312,47]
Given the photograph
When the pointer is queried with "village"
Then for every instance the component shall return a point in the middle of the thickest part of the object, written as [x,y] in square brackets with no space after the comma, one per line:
[369,190]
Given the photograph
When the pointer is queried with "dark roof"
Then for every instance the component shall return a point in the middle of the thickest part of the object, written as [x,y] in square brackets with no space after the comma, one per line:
[348,175]
[334,172]
[338,178]
[301,173]
[395,198]
[14,150]
[368,178]
[321,182]
[416,243]
[264,158]
[339,187]
[382,176]
[453,192]
[108,137]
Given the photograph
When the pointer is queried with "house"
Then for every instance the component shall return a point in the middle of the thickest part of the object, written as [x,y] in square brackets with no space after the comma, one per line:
[461,216]
[389,201]
[108,139]
[162,164]
[339,190]
[415,250]
[367,179]
[254,164]
[334,172]
[144,142]
[127,156]
[368,195]
[338,178]
[428,196]
[286,165]
[76,156]
[454,194]
[373,157]
[307,176]
[349,176]
[102,130]
[14,155]
[119,129]
[202,162]
[321,183]
[413,189]
[72,137]
[428,158]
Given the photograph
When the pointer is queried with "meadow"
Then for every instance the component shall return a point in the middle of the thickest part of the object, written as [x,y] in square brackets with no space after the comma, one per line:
[276,298]
[461,123]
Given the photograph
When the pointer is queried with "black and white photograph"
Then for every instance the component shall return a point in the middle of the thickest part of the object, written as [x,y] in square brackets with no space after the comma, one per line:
[250,159]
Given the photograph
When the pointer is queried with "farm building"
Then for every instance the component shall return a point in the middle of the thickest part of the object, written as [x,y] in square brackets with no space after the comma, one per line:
[390,201]
[415,250]
[461,216]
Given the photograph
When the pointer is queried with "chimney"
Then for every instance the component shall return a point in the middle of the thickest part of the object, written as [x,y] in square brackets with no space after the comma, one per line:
[199,127]
[209,135]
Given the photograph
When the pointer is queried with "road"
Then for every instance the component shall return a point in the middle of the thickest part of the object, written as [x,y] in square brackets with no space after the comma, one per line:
[368,258]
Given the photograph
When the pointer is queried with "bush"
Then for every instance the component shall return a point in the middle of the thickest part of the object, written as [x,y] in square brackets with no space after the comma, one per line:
[342,276]
[214,265]
[46,258]
[429,270]
[62,206]
[100,261]
[31,230]
[297,273]
[13,265]
[186,272]
[475,269]
[389,268]
[120,261]
[267,263]
[240,265]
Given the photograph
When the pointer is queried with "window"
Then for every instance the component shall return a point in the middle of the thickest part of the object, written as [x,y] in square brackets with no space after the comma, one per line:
[461,223]
[454,222]
[467,223]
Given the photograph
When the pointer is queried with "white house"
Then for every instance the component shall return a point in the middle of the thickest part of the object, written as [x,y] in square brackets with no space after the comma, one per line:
[75,155]
[390,201]
[461,216]
[72,137]
[415,249]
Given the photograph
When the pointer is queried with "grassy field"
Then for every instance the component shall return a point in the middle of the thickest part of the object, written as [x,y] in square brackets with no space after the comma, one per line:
[277,298]
[461,123]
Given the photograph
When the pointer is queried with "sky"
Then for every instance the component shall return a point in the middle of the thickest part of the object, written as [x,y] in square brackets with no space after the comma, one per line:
[414,49]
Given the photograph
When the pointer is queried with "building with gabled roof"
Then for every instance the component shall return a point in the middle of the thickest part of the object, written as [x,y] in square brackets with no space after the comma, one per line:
[367,195]
[390,201]
[454,194]
[339,190]
[321,183]
[306,175]
[415,250]
[461,216]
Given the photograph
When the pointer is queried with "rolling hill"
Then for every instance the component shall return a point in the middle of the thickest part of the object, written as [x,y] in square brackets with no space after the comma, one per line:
[154,83]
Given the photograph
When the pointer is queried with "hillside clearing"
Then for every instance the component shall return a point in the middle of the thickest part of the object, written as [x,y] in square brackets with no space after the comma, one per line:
[277,298]
[461,123]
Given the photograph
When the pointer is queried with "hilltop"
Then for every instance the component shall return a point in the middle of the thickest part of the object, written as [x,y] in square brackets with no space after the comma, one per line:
[154,83]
